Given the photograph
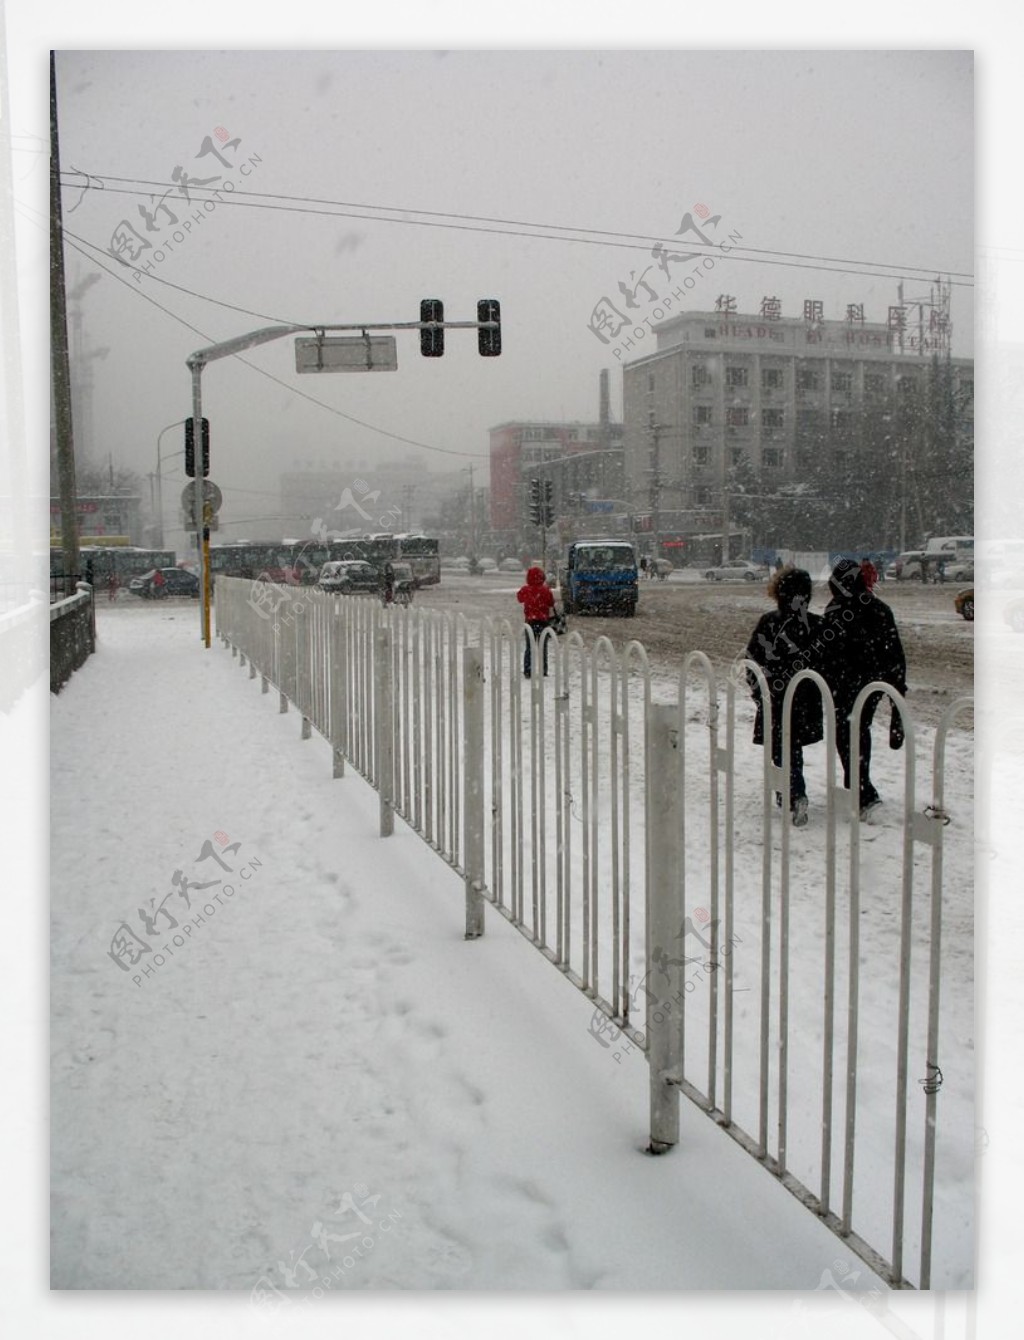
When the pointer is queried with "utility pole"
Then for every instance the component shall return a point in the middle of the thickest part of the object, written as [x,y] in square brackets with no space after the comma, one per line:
[472,516]
[725,501]
[656,430]
[60,365]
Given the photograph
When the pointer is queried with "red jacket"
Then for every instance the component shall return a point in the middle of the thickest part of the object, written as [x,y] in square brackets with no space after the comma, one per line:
[535,597]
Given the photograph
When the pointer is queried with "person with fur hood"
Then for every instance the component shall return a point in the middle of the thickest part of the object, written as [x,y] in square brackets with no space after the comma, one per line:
[782,644]
[864,645]
[538,610]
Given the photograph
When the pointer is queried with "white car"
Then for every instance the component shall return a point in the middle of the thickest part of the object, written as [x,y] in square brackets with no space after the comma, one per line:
[738,570]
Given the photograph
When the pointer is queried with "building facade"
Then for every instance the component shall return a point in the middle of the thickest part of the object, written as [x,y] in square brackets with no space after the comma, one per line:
[583,461]
[730,410]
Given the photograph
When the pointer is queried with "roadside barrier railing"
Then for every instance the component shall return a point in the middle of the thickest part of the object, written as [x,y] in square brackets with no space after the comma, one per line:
[601,821]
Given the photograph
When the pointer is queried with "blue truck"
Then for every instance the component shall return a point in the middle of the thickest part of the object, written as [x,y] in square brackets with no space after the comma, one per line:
[600,575]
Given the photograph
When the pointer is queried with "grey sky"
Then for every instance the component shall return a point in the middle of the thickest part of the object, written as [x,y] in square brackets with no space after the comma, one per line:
[864,156]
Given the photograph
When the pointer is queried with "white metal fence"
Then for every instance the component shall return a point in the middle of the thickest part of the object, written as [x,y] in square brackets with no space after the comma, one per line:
[592,808]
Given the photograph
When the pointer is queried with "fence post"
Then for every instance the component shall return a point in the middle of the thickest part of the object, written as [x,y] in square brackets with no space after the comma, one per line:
[664,920]
[339,695]
[384,729]
[303,670]
[473,788]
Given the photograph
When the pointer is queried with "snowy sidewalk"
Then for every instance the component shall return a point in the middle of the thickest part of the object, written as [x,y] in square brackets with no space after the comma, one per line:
[323,1055]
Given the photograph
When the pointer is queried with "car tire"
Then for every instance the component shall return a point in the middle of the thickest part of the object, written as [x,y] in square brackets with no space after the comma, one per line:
[750,576]
[709,576]
[968,610]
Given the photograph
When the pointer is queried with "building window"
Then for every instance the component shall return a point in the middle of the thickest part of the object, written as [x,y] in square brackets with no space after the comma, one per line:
[736,376]
[771,458]
[651,420]
[699,375]
[737,457]
[702,415]
[840,458]
[773,418]
[771,379]
[842,420]
[701,497]
[842,383]
[807,421]
[710,333]
[874,383]
[737,417]
[808,379]
[700,456]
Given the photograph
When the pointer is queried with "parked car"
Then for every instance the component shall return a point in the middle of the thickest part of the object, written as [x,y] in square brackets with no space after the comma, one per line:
[907,567]
[348,576]
[963,603]
[510,565]
[959,572]
[171,582]
[738,570]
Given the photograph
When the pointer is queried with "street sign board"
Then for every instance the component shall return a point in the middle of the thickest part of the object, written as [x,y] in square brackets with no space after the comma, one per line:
[212,497]
[345,353]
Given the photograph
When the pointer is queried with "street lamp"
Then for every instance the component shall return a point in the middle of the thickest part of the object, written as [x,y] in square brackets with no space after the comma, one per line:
[159,477]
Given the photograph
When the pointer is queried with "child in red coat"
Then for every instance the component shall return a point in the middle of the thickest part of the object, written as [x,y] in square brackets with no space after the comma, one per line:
[538,610]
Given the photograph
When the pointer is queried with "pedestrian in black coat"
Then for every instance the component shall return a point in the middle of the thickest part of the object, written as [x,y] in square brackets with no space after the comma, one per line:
[783,643]
[863,644]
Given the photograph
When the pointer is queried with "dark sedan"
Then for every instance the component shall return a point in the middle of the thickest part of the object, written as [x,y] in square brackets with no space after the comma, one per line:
[159,583]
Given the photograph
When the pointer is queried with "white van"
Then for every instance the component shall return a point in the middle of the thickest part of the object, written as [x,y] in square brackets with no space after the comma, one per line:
[959,547]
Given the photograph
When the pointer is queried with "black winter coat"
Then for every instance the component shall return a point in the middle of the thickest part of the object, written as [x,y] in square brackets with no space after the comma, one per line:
[865,645]
[783,644]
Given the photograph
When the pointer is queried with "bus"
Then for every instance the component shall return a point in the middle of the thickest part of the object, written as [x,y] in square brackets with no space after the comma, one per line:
[298,562]
[103,561]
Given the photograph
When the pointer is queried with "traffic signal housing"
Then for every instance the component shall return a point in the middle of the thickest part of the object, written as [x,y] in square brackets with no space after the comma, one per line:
[190,448]
[549,502]
[489,340]
[536,502]
[432,341]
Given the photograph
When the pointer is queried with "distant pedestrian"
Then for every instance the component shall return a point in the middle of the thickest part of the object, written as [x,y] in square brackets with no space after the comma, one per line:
[783,643]
[865,645]
[89,572]
[538,611]
[112,586]
[869,571]
[387,584]
[643,565]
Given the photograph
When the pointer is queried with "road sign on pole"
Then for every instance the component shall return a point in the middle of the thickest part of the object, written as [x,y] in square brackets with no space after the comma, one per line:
[344,353]
[212,497]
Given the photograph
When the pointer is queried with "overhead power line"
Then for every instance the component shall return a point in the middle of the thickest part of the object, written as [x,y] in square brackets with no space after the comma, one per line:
[551,232]
[75,245]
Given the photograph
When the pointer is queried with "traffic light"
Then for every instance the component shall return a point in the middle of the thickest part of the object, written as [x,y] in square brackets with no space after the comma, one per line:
[431,341]
[190,449]
[536,502]
[549,502]
[489,341]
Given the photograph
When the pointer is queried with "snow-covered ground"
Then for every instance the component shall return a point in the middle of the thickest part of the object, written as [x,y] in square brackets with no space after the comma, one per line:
[325,1046]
